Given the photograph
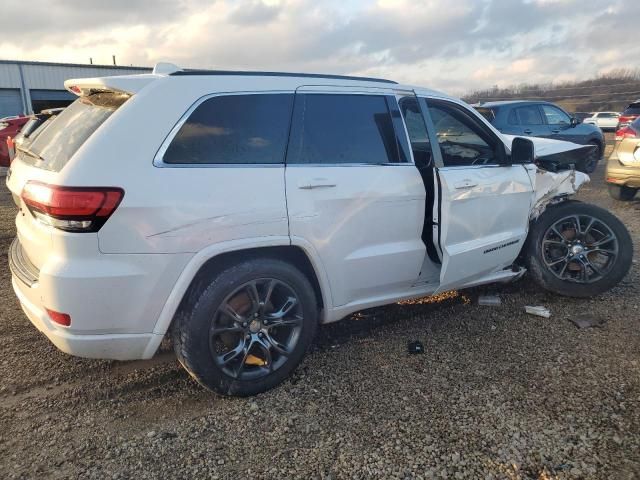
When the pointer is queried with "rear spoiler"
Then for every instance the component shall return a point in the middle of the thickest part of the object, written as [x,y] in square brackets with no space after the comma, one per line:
[130,84]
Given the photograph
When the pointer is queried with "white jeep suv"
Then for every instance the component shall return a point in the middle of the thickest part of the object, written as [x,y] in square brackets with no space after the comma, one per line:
[238,210]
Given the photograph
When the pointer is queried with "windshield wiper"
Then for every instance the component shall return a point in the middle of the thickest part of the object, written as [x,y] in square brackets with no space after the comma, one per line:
[29,152]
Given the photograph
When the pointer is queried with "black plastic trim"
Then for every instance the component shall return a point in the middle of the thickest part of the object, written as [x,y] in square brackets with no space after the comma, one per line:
[21,266]
[240,73]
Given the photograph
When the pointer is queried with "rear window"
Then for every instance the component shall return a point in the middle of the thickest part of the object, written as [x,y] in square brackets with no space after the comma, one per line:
[633,109]
[487,113]
[66,133]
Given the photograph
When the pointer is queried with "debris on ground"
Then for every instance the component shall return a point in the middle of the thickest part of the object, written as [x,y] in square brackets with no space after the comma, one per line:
[415,347]
[588,320]
[489,300]
[538,310]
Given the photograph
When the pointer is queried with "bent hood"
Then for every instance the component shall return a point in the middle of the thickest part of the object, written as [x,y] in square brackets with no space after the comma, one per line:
[550,150]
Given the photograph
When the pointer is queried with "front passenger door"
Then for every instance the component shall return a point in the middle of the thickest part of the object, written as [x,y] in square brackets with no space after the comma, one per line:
[559,123]
[485,201]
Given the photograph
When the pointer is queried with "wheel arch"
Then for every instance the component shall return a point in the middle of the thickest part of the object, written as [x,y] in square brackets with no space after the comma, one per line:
[206,263]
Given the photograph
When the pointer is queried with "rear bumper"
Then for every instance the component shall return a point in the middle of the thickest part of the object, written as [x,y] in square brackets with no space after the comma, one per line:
[106,346]
[113,300]
[618,174]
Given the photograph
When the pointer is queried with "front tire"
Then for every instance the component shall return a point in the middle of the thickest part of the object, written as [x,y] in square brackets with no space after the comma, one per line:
[248,329]
[622,193]
[578,250]
[590,163]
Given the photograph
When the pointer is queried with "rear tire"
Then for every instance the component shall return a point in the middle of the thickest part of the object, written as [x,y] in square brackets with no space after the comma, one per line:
[579,262]
[248,329]
[622,193]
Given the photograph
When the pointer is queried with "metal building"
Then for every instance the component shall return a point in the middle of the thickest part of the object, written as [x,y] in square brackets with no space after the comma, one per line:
[28,87]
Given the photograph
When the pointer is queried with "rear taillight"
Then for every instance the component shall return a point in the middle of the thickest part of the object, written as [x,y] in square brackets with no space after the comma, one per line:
[11,148]
[626,132]
[73,209]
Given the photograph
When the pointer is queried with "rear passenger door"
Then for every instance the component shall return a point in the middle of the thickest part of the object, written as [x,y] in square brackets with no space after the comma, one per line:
[354,196]
[531,121]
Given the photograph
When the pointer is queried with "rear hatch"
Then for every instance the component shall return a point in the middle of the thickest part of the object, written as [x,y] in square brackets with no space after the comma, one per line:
[43,159]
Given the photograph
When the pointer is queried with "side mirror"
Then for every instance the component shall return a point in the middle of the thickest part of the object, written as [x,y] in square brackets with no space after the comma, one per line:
[574,121]
[522,151]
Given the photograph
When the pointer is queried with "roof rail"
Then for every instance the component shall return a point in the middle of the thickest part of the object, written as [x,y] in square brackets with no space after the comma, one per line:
[186,72]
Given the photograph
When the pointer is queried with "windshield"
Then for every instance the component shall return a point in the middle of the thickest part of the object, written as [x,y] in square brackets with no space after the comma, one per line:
[66,132]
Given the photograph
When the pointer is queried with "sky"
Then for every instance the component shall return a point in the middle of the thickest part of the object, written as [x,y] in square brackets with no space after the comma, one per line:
[451,45]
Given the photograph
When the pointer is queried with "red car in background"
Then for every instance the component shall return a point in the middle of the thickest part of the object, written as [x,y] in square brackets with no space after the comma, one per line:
[9,127]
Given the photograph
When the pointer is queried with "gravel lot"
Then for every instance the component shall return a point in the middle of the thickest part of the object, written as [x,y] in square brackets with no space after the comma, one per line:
[497,394]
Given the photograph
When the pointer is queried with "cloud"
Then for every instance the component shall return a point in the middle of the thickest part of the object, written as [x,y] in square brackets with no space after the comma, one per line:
[454,46]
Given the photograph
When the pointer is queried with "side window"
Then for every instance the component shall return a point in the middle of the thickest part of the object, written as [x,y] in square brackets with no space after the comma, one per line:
[418,136]
[513,117]
[343,128]
[462,141]
[555,116]
[234,129]
[530,115]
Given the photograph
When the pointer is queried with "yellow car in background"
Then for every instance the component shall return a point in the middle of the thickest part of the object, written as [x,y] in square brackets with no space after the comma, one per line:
[623,167]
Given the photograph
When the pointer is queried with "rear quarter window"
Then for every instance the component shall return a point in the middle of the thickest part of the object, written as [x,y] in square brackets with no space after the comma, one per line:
[234,129]
[69,130]
[633,109]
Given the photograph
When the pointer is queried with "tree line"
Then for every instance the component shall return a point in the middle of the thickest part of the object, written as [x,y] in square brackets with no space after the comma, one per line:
[612,91]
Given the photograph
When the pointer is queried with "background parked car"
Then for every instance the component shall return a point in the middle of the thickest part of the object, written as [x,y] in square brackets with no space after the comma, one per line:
[623,167]
[604,120]
[544,119]
[35,124]
[9,127]
[629,114]
[582,115]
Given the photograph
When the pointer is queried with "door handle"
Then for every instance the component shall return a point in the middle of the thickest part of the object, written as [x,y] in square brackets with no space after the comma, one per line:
[528,132]
[465,184]
[555,131]
[311,183]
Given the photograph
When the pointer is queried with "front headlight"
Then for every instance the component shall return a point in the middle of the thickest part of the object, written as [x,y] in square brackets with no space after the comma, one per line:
[3,125]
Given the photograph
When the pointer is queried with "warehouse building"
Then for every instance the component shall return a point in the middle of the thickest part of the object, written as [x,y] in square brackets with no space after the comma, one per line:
[29,87]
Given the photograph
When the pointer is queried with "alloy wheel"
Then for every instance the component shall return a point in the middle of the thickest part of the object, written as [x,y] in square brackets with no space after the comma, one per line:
[579,248]
[255,329]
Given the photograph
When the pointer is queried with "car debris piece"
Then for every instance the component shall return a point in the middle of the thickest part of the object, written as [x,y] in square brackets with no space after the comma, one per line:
[489,300]
[415,347]
[538,310]
[588,320]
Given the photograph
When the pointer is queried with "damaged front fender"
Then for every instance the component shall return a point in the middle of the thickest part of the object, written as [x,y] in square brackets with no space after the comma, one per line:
[553,187]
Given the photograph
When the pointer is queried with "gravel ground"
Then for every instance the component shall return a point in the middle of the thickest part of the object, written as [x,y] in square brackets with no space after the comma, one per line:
[497,394]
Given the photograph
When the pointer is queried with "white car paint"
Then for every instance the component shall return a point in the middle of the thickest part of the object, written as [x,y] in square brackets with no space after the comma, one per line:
[603,119]
[358,225]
